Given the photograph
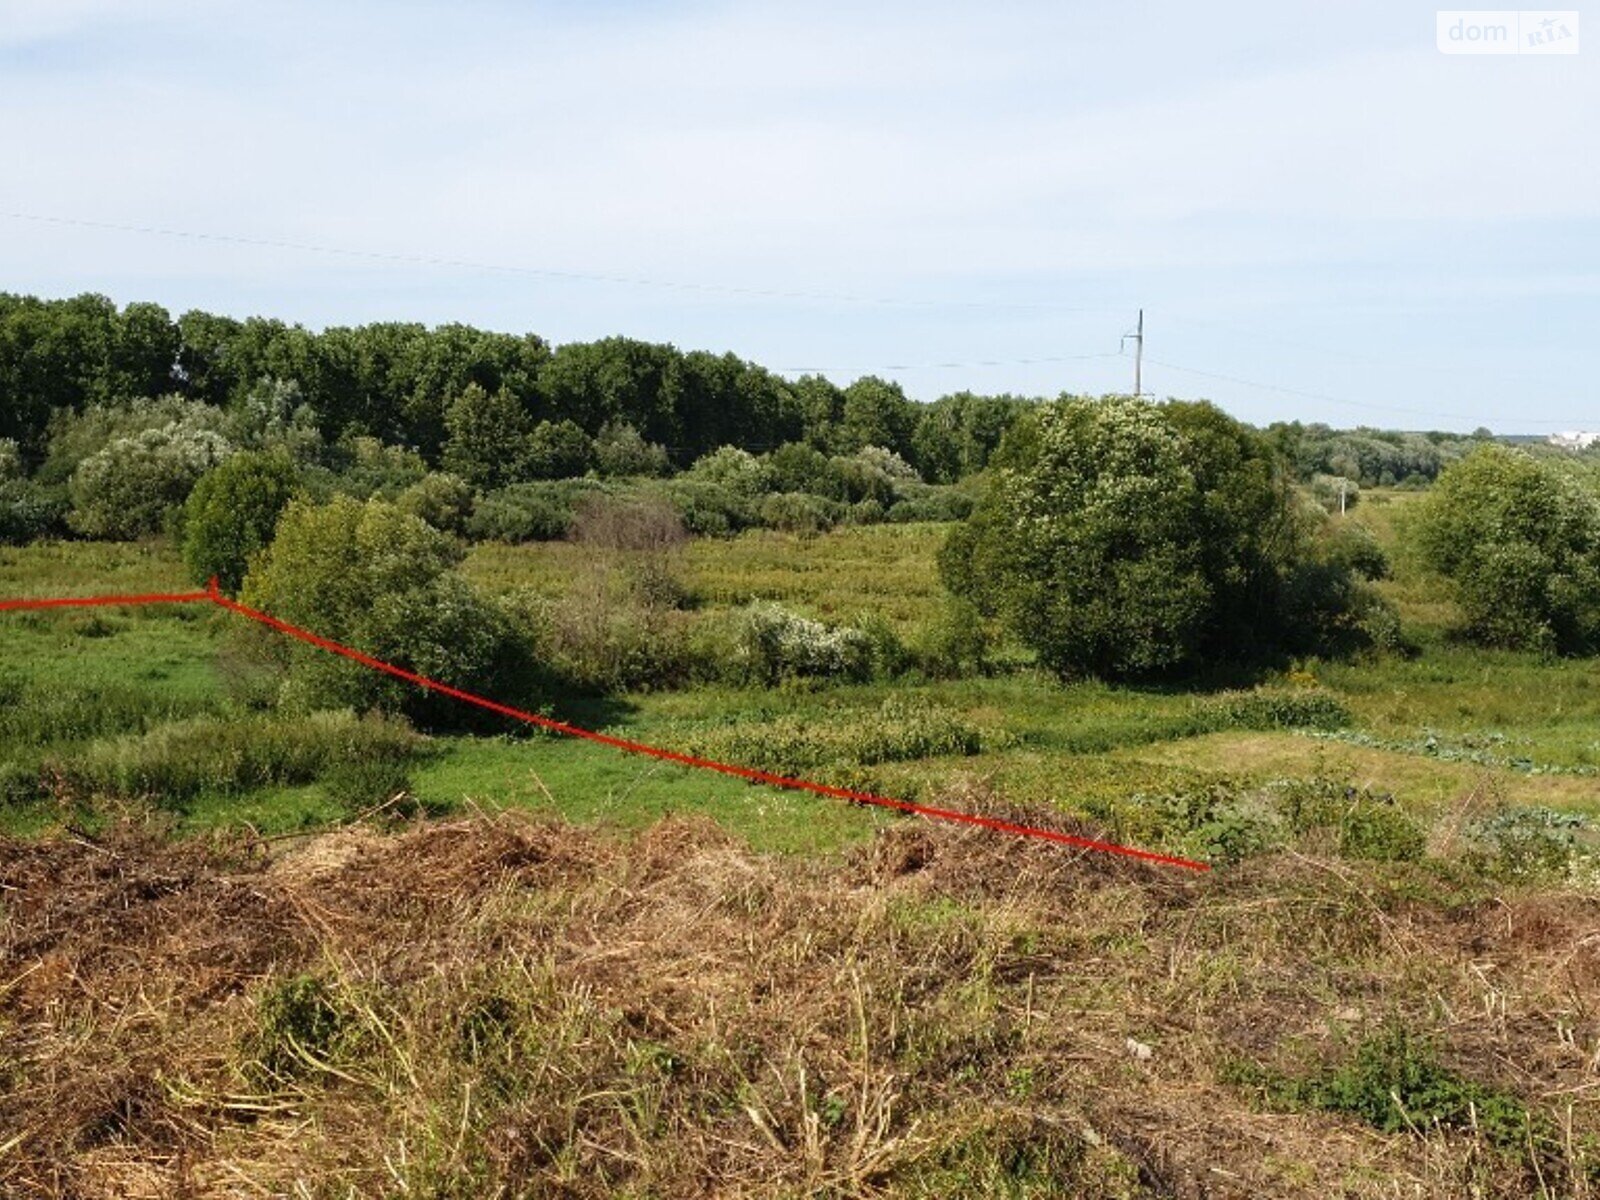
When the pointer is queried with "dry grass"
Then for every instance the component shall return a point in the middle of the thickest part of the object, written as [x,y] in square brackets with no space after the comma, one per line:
[509,1007]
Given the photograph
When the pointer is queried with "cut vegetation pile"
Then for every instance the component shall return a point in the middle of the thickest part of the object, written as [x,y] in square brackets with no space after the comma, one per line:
[509,1007]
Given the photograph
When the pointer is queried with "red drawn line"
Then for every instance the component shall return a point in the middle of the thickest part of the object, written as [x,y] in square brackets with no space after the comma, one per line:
[214,596]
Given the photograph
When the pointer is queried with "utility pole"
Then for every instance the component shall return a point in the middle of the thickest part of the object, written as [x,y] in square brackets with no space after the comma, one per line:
[1137,338]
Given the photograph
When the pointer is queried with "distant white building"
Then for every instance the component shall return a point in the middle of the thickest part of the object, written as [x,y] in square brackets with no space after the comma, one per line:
[1574,440]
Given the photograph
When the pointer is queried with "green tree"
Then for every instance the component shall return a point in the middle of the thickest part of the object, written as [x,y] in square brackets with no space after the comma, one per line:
[1121,538]
[230,515]
[1518,541]
[129,486]
[488,444]
[380,580]
[559,450]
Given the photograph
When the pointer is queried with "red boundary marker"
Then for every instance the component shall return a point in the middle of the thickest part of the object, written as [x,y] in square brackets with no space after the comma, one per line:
[213,595]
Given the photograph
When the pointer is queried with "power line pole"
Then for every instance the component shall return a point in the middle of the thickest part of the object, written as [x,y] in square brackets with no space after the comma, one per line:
[1137,338]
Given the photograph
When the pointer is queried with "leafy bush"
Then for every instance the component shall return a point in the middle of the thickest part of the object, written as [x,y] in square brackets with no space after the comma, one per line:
[29,511]
[897,731]
[1353,548]
[360,785]
[1122,538]
[527,512]
[1366,824]
[1335,493]
[738,471]
[956,642]
[1531,843]
[1277,708]
[710,509]
[558,450]
[798,512]
[442,500]
[231,513]
[128,488]
[776,644]
[1518,542]
[379,580]
[174,763]
[372,469]
[620,450]
[19,785]
[932,504]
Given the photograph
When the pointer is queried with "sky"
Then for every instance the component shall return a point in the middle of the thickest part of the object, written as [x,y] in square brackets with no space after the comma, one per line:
[1322,216]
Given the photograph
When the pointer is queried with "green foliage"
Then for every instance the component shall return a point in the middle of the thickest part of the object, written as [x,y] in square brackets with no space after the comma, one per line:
[489,437]
[1353,548]
[621,451]
[558,450]
[301,1024]
[1518,541]
[1275,708]
[529,512]
[799,512]
[1395,1082]
[231,513]
[29,511]
[897,731]
[131,465]
[776,644]
[1532,843]
[957,642]
[442,500]
[1335,493]
[359,785]
[172,764]
[378,579]
[1121,538]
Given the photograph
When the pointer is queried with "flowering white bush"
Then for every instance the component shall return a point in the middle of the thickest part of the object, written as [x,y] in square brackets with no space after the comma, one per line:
[735,469]
[127,488]
[776,644]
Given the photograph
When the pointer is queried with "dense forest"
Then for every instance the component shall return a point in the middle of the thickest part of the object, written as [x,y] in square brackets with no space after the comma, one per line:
[111,415]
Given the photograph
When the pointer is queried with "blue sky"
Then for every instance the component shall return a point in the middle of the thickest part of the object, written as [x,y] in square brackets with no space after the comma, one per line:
[1323,217]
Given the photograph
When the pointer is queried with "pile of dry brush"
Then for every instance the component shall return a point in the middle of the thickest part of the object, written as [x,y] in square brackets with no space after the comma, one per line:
[511,1007]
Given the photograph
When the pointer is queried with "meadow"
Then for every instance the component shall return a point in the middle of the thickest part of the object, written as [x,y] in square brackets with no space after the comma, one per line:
[566,971]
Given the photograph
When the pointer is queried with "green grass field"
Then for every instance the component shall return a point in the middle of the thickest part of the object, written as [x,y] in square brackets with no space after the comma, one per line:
[1452,722]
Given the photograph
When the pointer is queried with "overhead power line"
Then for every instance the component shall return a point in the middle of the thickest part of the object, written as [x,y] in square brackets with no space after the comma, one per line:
[467,264]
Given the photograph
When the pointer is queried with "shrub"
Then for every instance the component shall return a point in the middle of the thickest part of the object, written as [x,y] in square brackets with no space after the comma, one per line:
[738,471]
[957,642]
[1365,824]
[129,487]
[371,468]
[1335,493]
[359,785]
[896,731]
[798,512]
[1530,843]
[776,644]
[558,450]
[19,785]
[709,509]
[1518,543]
[932,504]
[442,500]
[1353,548]
[231,513]
[797,467]
[634,524]
[379,580]
[620,450]
[1121,538]
[30,511]
[1277,708]
[174,763]
[11,468]
[526,512]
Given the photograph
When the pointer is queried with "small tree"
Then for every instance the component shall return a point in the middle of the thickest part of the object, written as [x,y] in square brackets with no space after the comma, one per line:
[488,443]
[1122,538]
[379,580]
[1518,541]
[230,515]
